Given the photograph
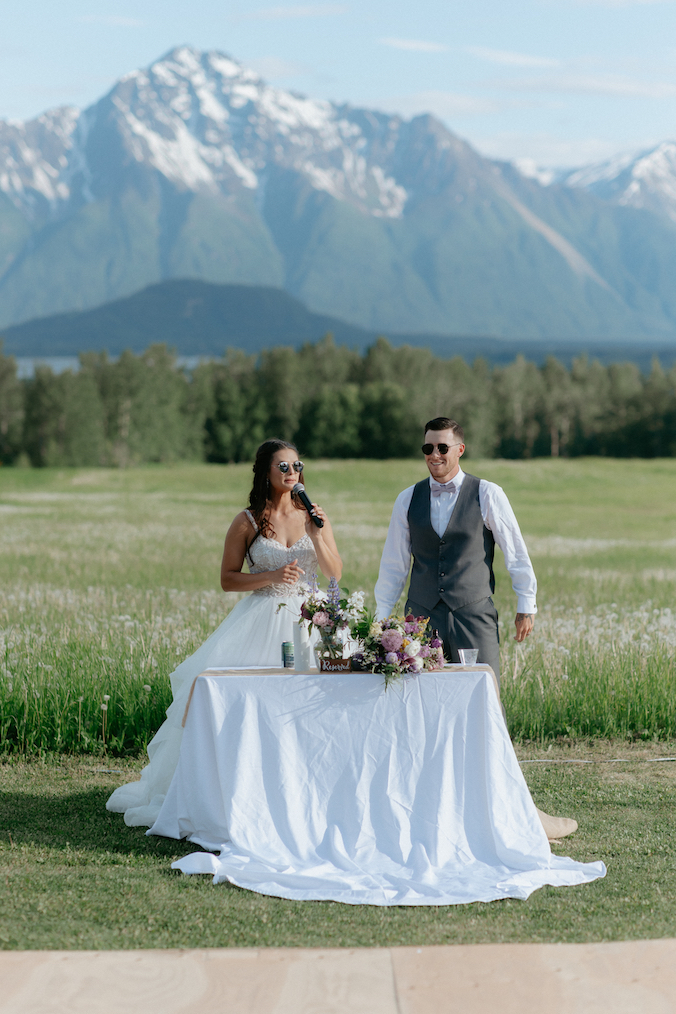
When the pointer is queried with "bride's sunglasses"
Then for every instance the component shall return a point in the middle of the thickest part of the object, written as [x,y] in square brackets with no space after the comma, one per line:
[284,466]
[442,448]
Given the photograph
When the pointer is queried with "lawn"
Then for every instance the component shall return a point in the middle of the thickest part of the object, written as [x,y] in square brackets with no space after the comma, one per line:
[108,578]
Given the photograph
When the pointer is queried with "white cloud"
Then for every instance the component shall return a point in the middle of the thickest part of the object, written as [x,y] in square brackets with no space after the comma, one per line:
[445,105]
[510,59]
[299,11]
[414,45]
[111,21]
[590,84]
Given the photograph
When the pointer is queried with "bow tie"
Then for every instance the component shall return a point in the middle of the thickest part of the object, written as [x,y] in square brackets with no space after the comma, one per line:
[438,488]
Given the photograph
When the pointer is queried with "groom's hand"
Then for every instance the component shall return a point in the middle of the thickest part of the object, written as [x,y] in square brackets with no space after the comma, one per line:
[524,625]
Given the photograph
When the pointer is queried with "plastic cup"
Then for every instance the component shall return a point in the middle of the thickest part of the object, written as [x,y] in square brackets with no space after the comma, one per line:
[468,656]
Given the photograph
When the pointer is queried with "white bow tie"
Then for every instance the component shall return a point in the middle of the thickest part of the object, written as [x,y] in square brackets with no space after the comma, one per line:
[438,488]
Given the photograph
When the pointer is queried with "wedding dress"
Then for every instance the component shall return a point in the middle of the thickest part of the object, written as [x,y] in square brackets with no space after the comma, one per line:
[251,635]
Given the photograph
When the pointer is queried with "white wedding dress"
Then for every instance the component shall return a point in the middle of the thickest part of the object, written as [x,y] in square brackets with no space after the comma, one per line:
[251,635]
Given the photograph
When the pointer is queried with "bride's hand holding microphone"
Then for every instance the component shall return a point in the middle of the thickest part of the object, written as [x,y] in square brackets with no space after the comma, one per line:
[318,527]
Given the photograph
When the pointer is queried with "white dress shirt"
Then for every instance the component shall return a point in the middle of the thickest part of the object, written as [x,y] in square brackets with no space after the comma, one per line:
[498,517]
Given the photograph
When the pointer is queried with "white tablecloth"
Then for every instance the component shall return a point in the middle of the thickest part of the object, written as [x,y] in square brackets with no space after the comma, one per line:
[326,787]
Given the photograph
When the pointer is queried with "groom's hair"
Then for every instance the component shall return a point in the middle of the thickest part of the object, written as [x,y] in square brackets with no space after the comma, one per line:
[443,423]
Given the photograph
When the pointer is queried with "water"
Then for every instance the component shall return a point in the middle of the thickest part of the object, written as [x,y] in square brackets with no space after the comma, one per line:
[26,365]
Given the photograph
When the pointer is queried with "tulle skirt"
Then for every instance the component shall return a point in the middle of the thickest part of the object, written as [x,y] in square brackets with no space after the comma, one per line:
[251,635]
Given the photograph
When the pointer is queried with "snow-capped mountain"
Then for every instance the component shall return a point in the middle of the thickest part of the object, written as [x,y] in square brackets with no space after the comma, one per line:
[206,124]
[196,168]
[645,180]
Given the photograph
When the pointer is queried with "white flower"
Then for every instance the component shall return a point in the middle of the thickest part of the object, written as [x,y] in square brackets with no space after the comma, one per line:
[104,707]
[146,687]
[106,697]
[375,629]
[413,648]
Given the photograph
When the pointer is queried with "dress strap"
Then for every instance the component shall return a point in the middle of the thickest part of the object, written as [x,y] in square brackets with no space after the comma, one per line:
[251,518]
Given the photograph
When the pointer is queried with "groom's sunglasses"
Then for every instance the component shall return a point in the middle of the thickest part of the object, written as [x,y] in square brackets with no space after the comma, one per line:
[284,466]
[442,448]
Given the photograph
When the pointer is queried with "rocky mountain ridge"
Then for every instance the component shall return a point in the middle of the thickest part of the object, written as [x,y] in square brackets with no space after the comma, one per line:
[196,168]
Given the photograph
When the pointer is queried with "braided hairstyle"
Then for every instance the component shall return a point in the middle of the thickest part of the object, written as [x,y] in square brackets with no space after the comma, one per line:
[259,497]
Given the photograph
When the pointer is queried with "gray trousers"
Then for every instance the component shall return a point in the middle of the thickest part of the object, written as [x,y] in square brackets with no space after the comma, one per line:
[472,626]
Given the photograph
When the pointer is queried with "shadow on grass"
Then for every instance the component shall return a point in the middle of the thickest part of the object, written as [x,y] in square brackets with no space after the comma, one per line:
[79,820]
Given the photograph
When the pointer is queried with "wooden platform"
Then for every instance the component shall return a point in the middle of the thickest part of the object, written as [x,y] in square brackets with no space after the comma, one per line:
[622,978]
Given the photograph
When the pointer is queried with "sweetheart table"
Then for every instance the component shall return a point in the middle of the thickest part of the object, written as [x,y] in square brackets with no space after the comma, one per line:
[329,787]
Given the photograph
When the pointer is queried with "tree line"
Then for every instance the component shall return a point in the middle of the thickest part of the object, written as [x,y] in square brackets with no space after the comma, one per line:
[332,402]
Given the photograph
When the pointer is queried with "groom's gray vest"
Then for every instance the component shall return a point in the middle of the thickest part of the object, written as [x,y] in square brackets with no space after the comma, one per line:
[458,567]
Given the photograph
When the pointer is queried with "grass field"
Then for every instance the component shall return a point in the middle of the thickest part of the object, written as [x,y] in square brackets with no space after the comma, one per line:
[109,578]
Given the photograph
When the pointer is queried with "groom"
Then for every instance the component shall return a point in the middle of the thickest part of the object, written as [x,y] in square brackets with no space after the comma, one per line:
[449,523]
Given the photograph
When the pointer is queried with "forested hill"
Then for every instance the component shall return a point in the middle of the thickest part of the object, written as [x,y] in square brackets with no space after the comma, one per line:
[203,319]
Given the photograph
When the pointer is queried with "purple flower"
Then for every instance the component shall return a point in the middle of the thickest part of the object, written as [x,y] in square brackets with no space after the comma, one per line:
[436,643]
[391,640]
[415,664]
[305,612]
[410,627]
[392,658]
[425,651]
[320,618]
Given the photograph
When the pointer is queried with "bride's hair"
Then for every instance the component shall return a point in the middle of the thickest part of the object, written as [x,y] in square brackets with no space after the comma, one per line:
[259,497]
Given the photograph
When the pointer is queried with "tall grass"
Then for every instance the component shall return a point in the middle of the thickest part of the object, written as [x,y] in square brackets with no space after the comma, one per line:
[88,672]
[108,580]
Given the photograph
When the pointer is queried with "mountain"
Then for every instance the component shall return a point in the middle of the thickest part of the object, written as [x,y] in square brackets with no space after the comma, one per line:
[645,180]
[202,319]
[195,168]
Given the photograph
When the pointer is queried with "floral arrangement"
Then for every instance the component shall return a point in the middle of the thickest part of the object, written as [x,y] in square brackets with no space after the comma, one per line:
[399,646]
[330,615]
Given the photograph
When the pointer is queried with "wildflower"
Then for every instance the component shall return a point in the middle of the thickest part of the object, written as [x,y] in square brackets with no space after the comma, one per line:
[146,688]
[104,707]
[106,697]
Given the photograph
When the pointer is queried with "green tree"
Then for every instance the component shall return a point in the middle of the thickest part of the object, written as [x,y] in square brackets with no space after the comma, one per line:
[519,392]
[330,423]
[236,424]
[389,427]
[11,410]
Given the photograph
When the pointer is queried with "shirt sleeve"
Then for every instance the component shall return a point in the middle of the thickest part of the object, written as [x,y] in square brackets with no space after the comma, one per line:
[500,519]
[396,559]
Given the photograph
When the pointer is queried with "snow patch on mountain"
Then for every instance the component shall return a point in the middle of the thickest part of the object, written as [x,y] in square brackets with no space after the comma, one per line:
[202,121]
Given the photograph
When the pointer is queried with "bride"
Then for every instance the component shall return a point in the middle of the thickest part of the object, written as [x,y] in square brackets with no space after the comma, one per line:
[283,549]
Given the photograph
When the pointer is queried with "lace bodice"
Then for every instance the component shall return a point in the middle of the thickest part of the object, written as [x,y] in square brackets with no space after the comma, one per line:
[268,554]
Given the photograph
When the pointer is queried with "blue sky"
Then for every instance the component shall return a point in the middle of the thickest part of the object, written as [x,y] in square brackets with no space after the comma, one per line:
[562,82]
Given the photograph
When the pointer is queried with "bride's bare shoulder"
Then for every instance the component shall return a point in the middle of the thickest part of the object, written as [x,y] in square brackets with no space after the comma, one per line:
[242,524]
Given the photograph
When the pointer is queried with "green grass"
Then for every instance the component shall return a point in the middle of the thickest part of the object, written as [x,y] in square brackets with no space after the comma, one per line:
[109,578]
[73,875]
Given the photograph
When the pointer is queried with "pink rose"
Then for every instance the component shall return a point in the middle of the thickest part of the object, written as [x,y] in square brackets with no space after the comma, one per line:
[320,618]
[391,640]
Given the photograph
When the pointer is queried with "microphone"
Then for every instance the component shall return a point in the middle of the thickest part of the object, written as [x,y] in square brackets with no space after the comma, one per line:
[299,490]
